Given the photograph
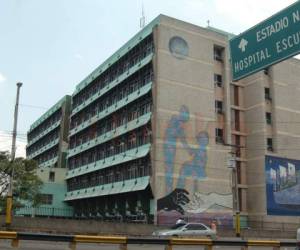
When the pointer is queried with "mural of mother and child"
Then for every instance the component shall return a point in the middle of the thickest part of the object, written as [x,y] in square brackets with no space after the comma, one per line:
[178,195]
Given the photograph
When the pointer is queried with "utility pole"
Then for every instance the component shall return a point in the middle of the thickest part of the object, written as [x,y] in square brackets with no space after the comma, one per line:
[232,164]
[9,200]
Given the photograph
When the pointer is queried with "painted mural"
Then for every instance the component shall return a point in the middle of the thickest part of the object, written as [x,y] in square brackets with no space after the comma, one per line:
[282,186]
[183,196]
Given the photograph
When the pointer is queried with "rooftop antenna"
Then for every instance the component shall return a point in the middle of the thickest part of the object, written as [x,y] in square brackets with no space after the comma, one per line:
[142,19]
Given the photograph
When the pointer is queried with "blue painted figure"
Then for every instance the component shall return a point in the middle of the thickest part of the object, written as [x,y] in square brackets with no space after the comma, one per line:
[174,132]
[177,198]
[196,167]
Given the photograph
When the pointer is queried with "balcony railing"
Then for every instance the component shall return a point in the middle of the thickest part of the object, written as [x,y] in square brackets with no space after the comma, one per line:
[43,149]
[42,134]
[128,155]
[125,186]
[49,162]
[121,103]
[114,83]
[138,122]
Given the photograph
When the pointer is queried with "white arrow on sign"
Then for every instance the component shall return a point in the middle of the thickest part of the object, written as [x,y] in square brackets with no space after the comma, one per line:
[243,44]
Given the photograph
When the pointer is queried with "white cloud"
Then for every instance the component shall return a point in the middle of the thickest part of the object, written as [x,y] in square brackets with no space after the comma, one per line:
[78,56]
[2,78]
[6,141]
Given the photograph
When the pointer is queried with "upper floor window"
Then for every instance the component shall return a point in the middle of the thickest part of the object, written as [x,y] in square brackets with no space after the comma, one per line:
[219,107]
[269,144]
[268,94]
[218,80]
[218,53]
[219,135]
[269,118]
[51,176]
[266,71]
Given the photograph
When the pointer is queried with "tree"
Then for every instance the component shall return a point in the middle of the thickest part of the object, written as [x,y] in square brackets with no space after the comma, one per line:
[26,183]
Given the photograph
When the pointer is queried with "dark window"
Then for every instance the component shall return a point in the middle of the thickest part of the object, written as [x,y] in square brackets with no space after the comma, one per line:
[189,227]
[238,144]
[268,94]
[219,107]
[237,120]
[268,118]
[219,135]
[236,95]
[195,227]
[199,227]
[218,80]
[46,199]
[52,176]
[218,53]
[269,144]
[266,71]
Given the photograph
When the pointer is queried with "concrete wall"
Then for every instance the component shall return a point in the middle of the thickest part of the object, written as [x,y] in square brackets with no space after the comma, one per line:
[286,90]
[283,81]
[58,188]
[63,226]
[186,156]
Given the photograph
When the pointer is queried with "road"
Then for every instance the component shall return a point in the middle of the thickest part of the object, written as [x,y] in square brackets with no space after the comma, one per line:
[44,245]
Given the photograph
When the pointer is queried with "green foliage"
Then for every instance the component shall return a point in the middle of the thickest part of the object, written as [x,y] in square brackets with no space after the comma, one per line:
[26,183]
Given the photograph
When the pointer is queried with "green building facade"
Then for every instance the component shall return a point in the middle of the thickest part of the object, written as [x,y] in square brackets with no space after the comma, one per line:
[48,145]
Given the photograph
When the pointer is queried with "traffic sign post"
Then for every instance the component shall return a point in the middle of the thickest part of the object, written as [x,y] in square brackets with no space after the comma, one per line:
[269,42]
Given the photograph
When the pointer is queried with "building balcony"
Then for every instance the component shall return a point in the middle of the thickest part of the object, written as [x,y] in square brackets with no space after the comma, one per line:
[113,84]
[131,185]
[128,155]
[138,122]
[49,162]
[113,108]
[43,149]
[44,133]
[44,117]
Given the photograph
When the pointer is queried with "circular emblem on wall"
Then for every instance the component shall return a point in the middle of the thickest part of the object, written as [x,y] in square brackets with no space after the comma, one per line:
[178,47]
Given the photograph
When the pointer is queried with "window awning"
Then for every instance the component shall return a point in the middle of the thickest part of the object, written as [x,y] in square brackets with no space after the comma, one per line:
[132,185]
[116,188]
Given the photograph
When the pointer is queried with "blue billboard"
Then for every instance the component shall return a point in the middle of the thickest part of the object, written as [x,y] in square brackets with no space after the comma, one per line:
[282,186]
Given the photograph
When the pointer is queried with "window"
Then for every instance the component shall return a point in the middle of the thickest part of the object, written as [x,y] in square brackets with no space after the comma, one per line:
[237,120]
[269,118]
[269,144]
[218,80]
[46,199]
[218,53]
[266,71]
[195,227]
[51,176]
[219,107]
[219,135]
[268,94]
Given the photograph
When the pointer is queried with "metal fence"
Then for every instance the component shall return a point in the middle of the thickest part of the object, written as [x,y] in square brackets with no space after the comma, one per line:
[69,213]
[44,212]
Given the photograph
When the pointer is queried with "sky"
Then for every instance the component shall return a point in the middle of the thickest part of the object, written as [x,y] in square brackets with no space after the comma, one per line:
[51,45]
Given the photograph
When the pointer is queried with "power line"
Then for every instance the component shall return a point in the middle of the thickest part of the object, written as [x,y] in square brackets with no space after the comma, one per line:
[32,106]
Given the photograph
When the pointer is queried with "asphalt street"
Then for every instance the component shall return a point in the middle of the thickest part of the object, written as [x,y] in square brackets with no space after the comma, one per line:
[44,245]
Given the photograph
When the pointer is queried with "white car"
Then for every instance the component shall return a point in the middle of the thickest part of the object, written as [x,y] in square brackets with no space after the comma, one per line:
[189,229]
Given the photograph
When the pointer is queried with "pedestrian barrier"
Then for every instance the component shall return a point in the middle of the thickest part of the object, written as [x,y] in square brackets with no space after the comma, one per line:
[123,242]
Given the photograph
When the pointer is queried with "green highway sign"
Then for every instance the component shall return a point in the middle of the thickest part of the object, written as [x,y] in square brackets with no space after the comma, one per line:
[269,42]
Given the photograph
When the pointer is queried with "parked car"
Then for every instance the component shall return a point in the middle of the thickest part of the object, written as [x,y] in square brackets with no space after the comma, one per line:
[189,229]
